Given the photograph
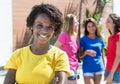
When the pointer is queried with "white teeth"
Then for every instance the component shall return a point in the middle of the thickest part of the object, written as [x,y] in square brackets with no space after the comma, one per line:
[43,36]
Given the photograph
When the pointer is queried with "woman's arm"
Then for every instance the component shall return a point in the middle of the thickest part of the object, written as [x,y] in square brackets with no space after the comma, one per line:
[82,53]
[59,78]
[103,56]
[87,52]
[10,77]
[116,62]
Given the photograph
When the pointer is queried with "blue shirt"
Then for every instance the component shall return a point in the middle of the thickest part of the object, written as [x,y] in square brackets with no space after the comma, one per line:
[92,64]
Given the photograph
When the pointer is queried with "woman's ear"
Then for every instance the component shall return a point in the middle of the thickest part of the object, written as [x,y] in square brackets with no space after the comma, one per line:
[31,30]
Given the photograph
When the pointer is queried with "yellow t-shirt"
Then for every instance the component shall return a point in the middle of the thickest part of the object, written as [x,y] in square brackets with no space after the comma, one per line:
[37,69]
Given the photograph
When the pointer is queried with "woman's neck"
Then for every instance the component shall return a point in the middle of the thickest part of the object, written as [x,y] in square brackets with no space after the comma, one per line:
[112,31]
[92,36]
[74,35]
[39,49]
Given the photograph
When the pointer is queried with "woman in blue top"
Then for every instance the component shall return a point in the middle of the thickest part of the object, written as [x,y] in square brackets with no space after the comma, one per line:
[91,47]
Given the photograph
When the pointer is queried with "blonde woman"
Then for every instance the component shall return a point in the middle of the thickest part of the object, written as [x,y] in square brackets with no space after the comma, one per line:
[68,42]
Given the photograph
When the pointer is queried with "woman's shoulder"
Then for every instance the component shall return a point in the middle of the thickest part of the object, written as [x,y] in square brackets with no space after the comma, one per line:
[118,34]
[21,49]
[64,34]
[84,37]
[57,52]
[99,38]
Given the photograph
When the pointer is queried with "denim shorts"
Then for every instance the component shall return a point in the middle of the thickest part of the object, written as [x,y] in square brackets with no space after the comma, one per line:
[93,73]
[74,75]
[116,77]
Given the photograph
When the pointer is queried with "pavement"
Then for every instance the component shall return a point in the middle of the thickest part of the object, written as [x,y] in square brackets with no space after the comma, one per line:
[80,81]
[2,76]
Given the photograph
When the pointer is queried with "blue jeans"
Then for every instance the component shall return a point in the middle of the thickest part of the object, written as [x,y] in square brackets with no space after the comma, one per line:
[116,76]
[74,75]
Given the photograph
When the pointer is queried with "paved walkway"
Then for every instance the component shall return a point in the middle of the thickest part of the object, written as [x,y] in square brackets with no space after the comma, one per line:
[2,76]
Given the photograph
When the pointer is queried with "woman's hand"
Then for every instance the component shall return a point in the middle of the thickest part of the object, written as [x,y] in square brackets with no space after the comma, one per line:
[54,81]
[59,78]
[91,52]
[109,78]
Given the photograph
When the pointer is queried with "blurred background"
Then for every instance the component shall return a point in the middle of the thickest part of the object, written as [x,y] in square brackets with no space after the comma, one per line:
[13,15]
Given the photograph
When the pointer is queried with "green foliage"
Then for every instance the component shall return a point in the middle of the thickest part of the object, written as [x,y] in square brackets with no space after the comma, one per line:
[53,40]
[100,27]
[105,1]
[96,16]
[87,13]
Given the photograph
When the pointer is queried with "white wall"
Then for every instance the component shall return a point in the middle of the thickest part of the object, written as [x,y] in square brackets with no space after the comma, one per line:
[116,6]
[5,30]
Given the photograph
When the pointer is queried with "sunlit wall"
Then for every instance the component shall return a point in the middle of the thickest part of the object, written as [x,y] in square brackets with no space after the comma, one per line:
[5,30]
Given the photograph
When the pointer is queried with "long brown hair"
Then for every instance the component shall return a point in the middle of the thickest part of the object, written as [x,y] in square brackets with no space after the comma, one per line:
[88,20]
[116,20]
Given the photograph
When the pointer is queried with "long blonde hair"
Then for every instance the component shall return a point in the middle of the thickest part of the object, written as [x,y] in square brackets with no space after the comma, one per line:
[68,24]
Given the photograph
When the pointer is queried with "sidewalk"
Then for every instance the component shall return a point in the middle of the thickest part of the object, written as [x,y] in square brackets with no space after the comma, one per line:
[2,76]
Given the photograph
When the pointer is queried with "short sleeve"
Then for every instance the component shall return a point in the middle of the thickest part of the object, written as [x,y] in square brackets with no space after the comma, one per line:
[62,63]
[14,61]
[62,37]
[118,36]
[103,43]
[82,43]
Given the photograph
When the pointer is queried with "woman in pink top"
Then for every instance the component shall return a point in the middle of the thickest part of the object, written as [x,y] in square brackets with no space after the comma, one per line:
[68,41]
[112,74]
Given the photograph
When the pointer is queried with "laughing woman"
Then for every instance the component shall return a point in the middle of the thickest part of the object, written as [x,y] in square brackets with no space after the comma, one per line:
[40,62]
[68,42]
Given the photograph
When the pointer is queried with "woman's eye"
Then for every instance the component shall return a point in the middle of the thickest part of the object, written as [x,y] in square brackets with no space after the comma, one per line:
[50,28]
[39,26]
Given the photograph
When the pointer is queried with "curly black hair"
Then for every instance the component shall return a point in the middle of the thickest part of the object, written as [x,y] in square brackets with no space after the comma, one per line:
[53,13]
